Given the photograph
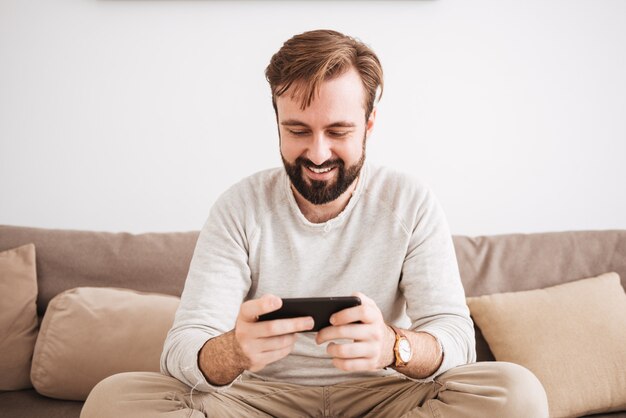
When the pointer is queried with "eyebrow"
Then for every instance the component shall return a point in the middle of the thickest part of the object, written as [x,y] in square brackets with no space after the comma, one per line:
[342,124]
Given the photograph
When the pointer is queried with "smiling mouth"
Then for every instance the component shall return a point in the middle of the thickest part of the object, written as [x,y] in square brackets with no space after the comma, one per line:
[320,170]
[323,174]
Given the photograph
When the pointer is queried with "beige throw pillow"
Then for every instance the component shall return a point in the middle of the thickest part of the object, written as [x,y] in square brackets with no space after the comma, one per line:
[571,336]
[88,334]
[18,316]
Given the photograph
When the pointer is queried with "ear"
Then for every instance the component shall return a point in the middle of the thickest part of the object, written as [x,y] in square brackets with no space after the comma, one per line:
[369,126]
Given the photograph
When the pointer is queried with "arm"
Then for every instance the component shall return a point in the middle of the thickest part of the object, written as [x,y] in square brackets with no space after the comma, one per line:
[431,285]
[427,354]
[215,336]
[374,341]
[221,359]
[251,345]
[218,281]
[427,358]
[435,303]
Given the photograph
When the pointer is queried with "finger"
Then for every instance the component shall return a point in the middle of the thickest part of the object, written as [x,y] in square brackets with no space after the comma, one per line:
[353,365]
[367,314]
[251,309]
[263,359]
[365,300]
[351,332]
[281,327]
[347,315]
[351,350]
[262,345]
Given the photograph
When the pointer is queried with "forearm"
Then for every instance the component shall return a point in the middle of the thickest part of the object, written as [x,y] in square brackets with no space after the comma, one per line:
[426,358]
[221,360]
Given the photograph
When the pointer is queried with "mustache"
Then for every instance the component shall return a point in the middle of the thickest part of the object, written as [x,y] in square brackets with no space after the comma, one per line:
[301,161]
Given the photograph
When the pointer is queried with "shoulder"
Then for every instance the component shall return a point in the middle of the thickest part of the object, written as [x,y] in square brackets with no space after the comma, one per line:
[404,194]
[394,186]
[252,197]
[257,190]
[388,175]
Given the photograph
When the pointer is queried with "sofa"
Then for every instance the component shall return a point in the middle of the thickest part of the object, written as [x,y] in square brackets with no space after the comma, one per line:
[153,264]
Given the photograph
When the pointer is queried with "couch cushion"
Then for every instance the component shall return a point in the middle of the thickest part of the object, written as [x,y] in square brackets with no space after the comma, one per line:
[153,262]
[572,336]
[18,316]
[513,262]
[89,334]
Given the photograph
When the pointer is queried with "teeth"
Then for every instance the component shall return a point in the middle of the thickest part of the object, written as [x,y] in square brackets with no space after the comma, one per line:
[320,170]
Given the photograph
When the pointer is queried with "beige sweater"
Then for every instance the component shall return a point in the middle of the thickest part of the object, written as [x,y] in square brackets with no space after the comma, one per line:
[391,242]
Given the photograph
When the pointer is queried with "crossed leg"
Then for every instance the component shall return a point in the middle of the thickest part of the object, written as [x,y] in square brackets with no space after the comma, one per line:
[490,389]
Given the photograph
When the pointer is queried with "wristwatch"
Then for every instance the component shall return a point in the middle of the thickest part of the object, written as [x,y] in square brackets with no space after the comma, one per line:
[402,348]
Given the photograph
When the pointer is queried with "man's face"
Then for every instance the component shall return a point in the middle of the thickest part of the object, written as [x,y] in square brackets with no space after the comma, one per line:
[323,146]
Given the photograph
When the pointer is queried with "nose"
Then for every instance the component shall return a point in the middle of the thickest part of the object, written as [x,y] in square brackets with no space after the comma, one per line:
[320,150]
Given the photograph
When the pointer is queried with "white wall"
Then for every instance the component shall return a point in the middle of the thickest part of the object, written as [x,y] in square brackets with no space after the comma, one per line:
[135,115]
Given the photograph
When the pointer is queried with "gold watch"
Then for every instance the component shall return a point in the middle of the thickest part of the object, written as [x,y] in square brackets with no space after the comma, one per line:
[402,348]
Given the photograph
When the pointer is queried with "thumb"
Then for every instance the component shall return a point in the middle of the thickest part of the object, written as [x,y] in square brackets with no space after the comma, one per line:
[252,309]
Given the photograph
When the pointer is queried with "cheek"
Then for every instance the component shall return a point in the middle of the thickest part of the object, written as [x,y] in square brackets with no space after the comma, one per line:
[352,153]
[289,150]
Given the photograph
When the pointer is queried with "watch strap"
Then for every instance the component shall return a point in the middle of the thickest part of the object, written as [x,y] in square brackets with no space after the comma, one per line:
[400,335]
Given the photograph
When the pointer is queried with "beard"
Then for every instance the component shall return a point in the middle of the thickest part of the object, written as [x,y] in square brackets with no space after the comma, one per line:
[320,192]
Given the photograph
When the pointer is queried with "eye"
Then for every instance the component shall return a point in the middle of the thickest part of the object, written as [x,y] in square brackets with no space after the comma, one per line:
[297,132]
[338,134]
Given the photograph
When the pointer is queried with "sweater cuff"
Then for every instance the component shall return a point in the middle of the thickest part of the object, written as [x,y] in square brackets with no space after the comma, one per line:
[188,371]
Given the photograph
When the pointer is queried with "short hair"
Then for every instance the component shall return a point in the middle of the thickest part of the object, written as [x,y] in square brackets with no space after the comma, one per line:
[308,59]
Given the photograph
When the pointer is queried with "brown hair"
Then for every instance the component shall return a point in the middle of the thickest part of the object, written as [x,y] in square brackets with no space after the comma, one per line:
[305,60]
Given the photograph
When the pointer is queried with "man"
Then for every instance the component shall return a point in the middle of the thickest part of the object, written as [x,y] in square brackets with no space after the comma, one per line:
[328,224]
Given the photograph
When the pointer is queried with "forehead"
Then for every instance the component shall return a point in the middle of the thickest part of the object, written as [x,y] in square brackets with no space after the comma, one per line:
[341,98]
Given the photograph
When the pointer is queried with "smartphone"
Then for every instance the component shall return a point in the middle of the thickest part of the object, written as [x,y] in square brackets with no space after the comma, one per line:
[319,308]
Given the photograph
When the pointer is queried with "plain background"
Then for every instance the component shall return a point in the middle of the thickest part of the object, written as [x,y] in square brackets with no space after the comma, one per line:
[135,115]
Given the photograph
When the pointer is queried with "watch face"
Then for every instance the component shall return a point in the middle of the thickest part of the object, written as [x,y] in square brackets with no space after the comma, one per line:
[404,350]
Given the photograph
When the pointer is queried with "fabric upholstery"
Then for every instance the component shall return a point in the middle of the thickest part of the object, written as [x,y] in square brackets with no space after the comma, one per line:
[153,262]
[89,334]
[514,262]
[158,262]
[571,336]
[18,319]
[29,404]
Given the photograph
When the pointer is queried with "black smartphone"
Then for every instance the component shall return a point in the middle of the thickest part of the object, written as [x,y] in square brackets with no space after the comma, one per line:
[319,308]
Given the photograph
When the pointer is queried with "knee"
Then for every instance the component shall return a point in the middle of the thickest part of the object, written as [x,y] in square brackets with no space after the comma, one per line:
[108,393]
[111,387]
[523,394]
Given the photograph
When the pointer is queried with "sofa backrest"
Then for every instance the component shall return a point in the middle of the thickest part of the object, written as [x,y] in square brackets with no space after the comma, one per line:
[153,262]
[516,262]
[158,262]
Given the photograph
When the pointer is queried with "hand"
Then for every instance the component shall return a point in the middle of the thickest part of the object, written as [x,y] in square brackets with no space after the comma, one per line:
[265,342]
[373,340]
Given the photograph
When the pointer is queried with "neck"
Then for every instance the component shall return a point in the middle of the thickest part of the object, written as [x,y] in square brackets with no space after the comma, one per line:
[322,213]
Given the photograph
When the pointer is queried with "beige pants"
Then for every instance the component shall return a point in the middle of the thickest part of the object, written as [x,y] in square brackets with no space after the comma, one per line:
[489,389]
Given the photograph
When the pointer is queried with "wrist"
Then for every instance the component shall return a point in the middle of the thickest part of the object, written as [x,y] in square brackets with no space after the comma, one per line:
[241,360]
[389,356]
[221,360]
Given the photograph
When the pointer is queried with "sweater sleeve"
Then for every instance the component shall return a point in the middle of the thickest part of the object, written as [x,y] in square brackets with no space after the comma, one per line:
[216,285]
[432,286]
